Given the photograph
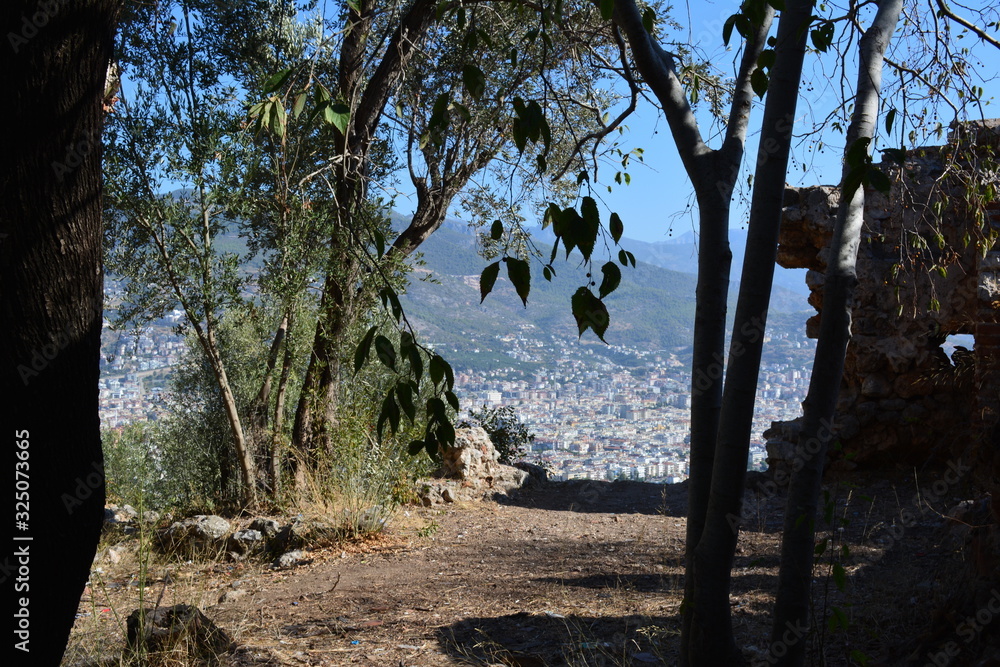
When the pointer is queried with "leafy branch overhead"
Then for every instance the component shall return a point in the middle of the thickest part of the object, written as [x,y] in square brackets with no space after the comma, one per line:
[575,230]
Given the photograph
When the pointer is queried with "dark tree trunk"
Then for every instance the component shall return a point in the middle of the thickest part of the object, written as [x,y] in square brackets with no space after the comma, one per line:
[791,613]
[51,309]
[711,633]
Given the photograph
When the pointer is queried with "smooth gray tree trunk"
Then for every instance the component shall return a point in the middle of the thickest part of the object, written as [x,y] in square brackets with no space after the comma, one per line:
[791,614]
[713,174]
[711,635]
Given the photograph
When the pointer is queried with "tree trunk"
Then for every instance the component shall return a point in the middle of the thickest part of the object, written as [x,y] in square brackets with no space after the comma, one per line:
[278,422]
[51,296]
[244,457]
[712,641]
[791,613]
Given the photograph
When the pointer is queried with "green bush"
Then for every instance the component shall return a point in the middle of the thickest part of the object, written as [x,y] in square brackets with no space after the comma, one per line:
[509,434]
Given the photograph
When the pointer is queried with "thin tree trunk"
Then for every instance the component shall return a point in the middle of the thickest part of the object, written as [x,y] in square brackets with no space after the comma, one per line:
[51,312]
[712,641]
[278,422]
[791,612]
[244,456]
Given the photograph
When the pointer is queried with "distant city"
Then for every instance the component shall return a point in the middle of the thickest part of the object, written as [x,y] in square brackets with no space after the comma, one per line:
[597,411]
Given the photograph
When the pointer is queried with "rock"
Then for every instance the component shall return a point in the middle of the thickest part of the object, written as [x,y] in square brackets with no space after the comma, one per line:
[536,472]
[114,554]
[470,471]
[195,536]
[266,527]
[875,386]
[178,629]
[291,559]
[245,543]
[302,532]
[232,595]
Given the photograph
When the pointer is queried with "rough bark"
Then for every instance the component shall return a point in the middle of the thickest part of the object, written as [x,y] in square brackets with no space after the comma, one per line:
[791,614]
[711,636]
[51,296]
[317,407]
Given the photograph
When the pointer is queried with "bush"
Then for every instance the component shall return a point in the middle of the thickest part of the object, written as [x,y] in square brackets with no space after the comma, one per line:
[509,434]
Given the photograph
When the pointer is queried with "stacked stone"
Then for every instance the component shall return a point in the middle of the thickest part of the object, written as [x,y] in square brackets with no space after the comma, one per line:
[902,399]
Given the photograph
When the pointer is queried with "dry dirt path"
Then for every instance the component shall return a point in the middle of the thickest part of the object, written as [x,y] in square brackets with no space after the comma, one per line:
[577,573]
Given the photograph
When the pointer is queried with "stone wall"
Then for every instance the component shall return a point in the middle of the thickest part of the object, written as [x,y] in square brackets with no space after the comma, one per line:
[926,269]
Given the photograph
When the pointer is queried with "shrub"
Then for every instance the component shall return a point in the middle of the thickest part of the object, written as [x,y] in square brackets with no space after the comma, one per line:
[509,434]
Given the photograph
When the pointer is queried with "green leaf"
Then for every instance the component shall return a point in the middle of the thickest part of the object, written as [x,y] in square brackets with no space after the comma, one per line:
[487,279]
[607,9]
[612,278]
[441,370]
[299,104]
[416,364]
[897,155]
[361,353]
[617,228]
[338,115]
[415,447]
[758,81]
[587,235]
[727,29]
[276,81]
[390,298]
[496,230]
[839,577]
[452,400]
[822,36]
[404,392]
[857,154]
[519,272]
[390,413]
[623,257]
[385,351]
[889,118]
[589,312]
[838,619]
[766,58]
[547,273]
[878,180]
[631,258]
[474,80]
[649,19]
[820,547]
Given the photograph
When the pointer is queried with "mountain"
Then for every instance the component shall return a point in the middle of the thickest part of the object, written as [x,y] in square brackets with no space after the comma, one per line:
[652,309]
[680,253]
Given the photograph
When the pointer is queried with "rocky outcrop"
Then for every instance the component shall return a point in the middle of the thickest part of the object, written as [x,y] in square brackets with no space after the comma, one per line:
[470,471]
[926,269]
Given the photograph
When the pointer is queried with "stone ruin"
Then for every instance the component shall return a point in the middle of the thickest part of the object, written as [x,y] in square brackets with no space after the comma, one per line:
[471,471]
[927,268]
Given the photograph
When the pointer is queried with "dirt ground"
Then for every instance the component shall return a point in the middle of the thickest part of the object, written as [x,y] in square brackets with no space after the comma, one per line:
[575,573]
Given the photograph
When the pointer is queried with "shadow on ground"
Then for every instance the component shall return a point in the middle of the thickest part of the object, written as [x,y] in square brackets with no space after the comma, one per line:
[619,497]
[549,640]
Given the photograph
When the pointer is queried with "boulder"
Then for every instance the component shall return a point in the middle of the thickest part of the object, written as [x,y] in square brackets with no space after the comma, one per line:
[180,629]
[266,527]
[470,471]
[244,543]
[195,536]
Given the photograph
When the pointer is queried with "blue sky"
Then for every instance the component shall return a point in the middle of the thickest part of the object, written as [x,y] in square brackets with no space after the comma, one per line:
[658,204]
[655,206]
